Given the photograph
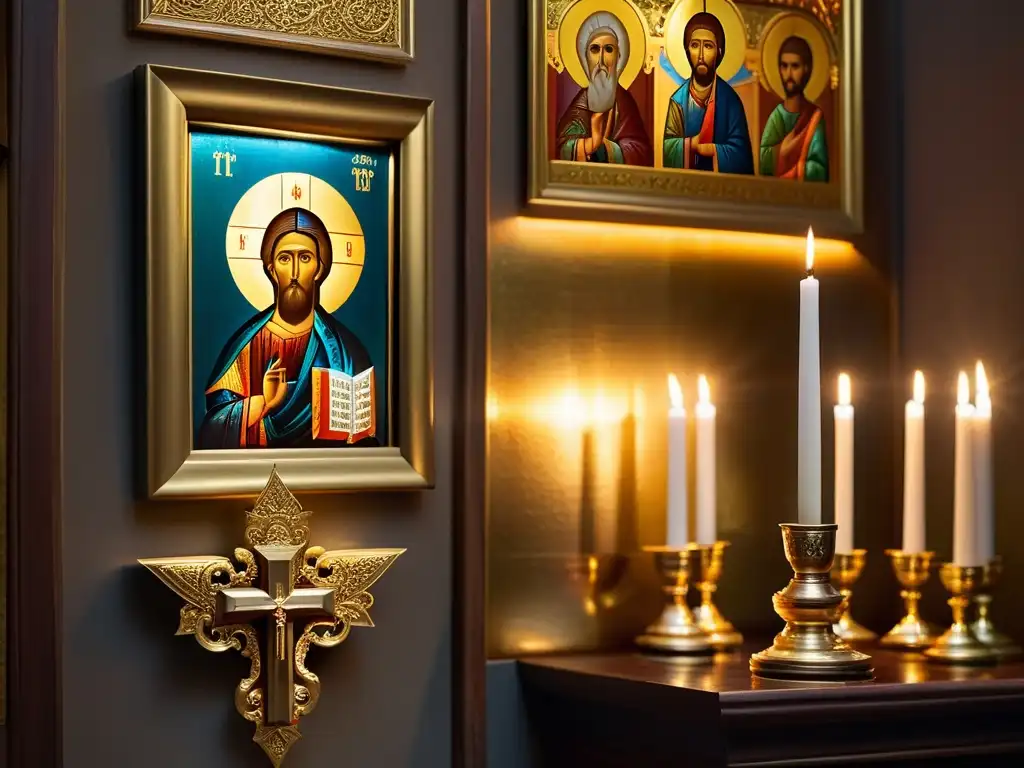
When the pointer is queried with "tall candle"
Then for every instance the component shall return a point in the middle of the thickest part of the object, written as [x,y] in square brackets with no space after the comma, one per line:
[706,478]
[678,535]
[809,399]
[913,470]
[981,441]
[965,532]
[844,467]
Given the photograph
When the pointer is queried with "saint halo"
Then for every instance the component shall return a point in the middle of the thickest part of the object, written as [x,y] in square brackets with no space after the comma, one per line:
[292,375]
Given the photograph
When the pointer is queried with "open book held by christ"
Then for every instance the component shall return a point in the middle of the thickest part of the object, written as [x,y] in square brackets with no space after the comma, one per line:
[343,405]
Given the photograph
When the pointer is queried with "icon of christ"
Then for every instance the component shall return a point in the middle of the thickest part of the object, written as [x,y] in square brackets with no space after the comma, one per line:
[292,376]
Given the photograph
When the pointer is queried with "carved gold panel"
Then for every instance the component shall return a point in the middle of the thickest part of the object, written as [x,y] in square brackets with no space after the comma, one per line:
[366,29]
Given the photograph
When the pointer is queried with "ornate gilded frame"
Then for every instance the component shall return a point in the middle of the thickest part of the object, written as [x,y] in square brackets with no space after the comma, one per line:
[173,99]
[382,32]
[629,193]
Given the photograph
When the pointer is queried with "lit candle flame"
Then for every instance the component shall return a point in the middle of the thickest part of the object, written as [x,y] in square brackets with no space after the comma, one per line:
[980,383]
[963,390]
[845,394]
[703,390]
[675,393]
[919,387]
[810,250]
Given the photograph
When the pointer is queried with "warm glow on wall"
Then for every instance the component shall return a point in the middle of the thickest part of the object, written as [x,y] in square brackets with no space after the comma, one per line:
[572,408]
[553,237]
[493,409]
[568,408]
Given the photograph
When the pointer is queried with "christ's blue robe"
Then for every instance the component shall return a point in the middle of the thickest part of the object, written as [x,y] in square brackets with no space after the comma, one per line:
[731,136]
[331,345]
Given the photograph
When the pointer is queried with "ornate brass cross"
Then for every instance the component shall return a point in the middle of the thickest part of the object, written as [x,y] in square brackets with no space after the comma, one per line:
[324,591]
[246,605]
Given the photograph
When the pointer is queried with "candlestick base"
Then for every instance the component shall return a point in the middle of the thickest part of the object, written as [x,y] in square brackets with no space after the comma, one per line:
[912,633]
[722,634]
[983,629]
[958,645]
[676,631]
[808,648]
[845,572]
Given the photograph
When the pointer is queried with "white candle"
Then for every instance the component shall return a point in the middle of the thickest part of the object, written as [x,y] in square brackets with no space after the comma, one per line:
[809,399]
[981,441]
[913,470]
[965,532]
[844,467]
[706,508]
[678,535]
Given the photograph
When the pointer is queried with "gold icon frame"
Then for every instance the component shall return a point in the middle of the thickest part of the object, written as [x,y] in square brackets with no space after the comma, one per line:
[176,99]
[271,23]
[569,189]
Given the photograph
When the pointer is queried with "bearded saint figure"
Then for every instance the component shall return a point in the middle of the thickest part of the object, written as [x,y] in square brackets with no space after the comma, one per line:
[603,123]
[706,128]
[259,394]
[793,145]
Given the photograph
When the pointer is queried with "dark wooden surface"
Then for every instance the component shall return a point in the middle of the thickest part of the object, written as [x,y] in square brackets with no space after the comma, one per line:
[469,742]
[631,710]
[34,415]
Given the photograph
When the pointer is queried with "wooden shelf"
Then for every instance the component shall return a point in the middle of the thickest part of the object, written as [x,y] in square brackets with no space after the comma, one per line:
[638,711]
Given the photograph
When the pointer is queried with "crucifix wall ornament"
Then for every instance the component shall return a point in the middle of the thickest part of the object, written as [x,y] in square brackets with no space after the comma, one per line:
[287,597]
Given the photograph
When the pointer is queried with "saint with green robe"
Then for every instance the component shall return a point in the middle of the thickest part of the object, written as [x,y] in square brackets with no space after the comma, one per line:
[793,144]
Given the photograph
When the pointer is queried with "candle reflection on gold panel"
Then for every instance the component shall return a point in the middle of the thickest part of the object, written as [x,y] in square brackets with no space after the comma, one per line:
[586,321]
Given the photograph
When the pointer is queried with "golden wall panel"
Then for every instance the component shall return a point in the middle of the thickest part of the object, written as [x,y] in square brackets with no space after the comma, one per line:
[586,321]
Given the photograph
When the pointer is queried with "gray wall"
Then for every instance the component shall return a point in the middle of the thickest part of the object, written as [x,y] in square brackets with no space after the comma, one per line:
[963,269]
[131,688]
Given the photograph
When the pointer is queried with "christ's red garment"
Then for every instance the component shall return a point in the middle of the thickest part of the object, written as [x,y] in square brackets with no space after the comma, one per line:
[278,347]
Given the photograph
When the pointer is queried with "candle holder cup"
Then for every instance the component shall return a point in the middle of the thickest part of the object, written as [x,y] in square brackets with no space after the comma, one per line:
[958,645]
[912,633]
[808,648]
[982,627]
[676,631]
[845,573]
[721,632]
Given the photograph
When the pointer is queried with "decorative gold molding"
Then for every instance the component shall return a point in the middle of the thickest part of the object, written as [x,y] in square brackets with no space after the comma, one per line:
[828,12]
[367,29]
[657,182]
[173,100]
[284,582]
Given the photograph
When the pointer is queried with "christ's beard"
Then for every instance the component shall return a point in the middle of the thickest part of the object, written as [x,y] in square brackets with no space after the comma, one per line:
[294,304]
[601,93]
[704,75]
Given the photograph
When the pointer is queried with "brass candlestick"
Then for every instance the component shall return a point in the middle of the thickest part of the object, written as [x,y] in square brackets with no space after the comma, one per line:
[982,627]
[720,630]
[958,645]
[675,631]
[808,648]
[845,573]
[912,633]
